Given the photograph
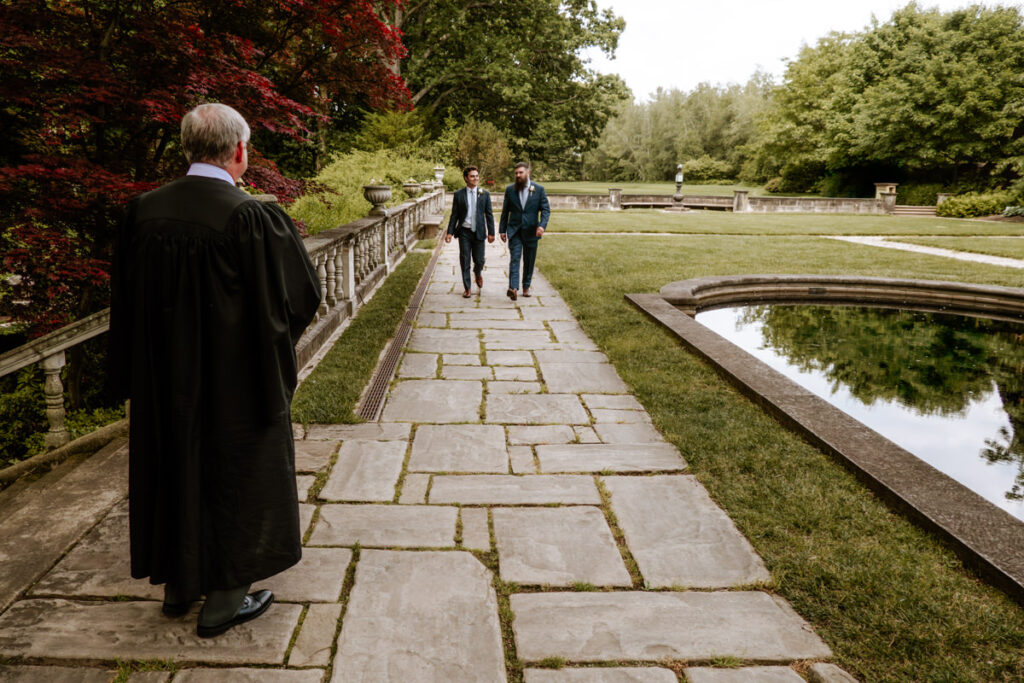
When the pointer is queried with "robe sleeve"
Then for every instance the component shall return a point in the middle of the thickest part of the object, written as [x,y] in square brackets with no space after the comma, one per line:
[283,291]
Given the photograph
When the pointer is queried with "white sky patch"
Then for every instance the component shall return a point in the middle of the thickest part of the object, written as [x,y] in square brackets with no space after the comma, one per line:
[682,43]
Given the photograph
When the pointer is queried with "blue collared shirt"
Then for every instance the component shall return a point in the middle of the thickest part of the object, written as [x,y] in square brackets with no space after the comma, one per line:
[210,171]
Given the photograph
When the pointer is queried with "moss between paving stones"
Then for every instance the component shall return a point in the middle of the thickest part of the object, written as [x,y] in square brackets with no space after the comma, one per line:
[890,600]
[330,394]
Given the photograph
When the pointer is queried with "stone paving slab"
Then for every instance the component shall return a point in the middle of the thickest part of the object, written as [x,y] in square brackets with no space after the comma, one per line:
[495,358]
[822,672]
[582,377]
[54,628]
[476,533]
[504,313]
[523,345]
[466,372]
[418,366]
[414,489]
[513,387]
[371,431]
[303,482]
[428,616]
[461,359]
[313,456]
[36,534]
[425,319]
[408,526]
[639,626]
[249,676]
[555,356]
[434,400]
[313,646]
[514,373]
[317,577]
[679,536]
[56,674]
[630,432]
[550,311]
[611,402]
[459,448]
[149,677]
[365,471]
[538,409]
[306,511]
[569,331]
[636,674]
[558,547]
[610,457]
[521,460]
[746,674]
[586,435]
[446,341]
[507,489]
[518,436]
[621,416]
[509,324]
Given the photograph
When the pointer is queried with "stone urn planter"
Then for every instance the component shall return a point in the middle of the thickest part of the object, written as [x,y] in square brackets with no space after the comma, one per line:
[412,188]
[378,195]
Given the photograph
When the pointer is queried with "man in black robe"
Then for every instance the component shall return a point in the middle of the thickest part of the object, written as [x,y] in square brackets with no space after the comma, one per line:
[211,290]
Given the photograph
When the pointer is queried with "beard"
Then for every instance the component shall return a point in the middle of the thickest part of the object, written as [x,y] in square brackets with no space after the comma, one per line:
[521,184]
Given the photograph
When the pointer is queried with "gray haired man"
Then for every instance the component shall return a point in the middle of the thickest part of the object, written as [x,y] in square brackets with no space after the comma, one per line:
[211,290]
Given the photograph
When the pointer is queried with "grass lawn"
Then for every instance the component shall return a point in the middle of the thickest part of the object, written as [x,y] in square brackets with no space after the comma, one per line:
[1009,247]
[330,393]
[892,602]
[602,187]
[728,223]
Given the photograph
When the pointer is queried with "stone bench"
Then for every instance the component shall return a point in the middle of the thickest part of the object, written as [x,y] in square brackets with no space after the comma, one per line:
[430,226]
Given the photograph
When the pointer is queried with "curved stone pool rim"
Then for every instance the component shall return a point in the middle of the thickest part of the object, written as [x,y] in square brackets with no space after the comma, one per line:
[987,538]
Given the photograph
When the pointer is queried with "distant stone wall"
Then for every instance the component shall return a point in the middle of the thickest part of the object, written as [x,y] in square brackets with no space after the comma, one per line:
[813,205]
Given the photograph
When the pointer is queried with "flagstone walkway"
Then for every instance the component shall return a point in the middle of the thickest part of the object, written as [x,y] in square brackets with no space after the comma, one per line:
[514,509]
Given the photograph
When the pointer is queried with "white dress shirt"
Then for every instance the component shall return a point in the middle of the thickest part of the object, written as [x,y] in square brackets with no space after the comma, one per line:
[210,171]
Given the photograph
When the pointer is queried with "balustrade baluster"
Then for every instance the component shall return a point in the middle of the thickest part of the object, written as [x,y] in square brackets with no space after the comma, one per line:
[53,389]
[329,296]
[321,271]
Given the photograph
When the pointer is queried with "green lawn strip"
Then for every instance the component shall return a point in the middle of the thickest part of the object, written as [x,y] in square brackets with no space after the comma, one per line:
[601,187]
[728,223]
[1009,247]
[890,599]
[329,395]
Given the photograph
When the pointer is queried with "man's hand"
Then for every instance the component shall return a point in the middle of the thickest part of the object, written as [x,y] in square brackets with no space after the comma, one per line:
[504,237]
[448,237]
[540,231]
[490,238]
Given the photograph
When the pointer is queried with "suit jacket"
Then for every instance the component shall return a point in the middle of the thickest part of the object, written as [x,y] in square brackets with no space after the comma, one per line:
[484,214]
[518,218]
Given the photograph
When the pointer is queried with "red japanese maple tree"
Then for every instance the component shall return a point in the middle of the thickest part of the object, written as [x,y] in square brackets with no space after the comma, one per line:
[92,93]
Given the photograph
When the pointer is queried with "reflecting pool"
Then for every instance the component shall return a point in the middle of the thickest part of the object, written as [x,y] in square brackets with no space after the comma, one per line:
[947,388]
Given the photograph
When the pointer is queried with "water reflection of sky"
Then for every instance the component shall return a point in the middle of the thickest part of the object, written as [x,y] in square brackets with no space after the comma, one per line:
[950,444]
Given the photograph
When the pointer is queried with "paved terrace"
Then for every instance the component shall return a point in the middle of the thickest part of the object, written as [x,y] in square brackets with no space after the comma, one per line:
[514,505]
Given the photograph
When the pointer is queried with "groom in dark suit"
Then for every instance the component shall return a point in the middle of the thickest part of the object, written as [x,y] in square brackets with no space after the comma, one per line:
[524,217]
[472,220]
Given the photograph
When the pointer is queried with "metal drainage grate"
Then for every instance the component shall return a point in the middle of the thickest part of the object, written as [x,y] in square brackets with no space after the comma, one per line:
[373,401]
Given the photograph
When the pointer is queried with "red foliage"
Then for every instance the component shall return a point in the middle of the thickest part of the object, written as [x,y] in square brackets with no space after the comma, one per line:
[93,93]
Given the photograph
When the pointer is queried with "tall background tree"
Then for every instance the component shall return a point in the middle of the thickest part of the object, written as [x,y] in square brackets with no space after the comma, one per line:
[516,64]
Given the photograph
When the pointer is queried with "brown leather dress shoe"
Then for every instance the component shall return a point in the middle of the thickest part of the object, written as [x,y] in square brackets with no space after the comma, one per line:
[526,291]
[479,279]
[466,294]
[511,293]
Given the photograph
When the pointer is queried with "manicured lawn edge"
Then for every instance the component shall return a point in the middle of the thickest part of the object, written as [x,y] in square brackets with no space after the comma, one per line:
[1007,248]
[330,394]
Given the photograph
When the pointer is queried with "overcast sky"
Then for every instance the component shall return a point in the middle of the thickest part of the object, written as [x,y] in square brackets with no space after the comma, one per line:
[680,43]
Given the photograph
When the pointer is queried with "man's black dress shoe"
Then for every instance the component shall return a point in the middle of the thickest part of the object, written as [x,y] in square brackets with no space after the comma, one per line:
[176,609]
[511,294]
[254,605]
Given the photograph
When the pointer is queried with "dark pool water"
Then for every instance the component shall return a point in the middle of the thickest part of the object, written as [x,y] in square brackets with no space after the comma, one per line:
[949,389]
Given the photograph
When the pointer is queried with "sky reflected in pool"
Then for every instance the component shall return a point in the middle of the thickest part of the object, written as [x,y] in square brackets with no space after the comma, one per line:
[949,389]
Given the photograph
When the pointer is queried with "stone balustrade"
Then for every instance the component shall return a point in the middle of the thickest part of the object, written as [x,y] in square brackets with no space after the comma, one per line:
[350,260]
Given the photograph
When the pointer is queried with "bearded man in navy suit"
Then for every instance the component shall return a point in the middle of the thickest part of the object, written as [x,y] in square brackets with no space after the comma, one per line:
[472,220]
[524,218]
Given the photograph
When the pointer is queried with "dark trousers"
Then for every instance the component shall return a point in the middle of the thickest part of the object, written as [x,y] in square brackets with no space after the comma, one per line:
[527,251]
[470,249]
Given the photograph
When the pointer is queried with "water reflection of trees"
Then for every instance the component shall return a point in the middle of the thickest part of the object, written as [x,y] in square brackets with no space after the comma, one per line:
[934,364]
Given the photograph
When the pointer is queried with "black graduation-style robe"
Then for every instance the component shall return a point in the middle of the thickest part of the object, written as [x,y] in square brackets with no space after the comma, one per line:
[211,290]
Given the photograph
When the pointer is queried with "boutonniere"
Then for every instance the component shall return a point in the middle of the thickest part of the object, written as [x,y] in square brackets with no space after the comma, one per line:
[479,192]
[532,188]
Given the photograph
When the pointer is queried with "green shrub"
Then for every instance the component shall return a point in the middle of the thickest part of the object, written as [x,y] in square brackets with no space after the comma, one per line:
[344,178]
[22,413]
[975,204]
[481,144]
[705,169]
[774,185]
[924,194]
[1011,211]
